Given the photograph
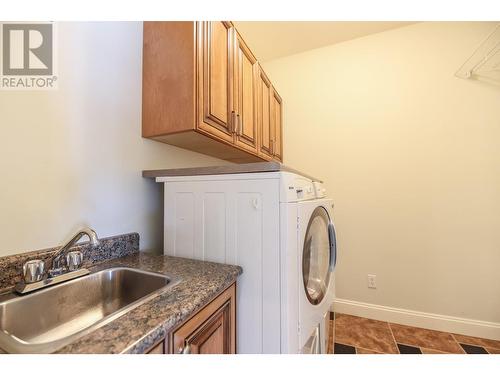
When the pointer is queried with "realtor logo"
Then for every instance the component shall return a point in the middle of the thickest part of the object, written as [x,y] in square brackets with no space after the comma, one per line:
[27,49]
[27,56]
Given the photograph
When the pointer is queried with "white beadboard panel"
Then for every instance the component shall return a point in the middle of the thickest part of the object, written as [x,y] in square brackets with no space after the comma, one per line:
[271,274]
[214,227]
[184,225]
[248,253]
[233,221]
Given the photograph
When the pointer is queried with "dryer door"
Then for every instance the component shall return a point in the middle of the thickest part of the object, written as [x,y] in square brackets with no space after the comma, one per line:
[319,255]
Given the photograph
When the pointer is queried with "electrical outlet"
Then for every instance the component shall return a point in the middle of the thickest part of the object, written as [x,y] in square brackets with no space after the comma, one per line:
[372,281]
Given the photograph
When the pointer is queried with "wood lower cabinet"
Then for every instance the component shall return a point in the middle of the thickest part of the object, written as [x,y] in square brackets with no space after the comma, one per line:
[200,90]
[210,331]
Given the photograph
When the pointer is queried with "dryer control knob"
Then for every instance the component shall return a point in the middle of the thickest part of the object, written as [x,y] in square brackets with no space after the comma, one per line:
[319,189]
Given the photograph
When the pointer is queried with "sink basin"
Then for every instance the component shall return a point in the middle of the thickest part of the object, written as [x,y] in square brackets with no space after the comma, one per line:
[44,321]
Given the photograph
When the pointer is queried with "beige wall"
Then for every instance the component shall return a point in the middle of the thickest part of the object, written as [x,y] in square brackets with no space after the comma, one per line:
[74,156]
[411,156]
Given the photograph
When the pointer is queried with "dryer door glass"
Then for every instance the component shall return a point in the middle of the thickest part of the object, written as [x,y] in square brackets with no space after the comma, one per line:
[316,257]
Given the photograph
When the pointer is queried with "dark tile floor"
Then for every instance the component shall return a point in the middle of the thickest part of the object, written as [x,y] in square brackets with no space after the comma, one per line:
[355,335]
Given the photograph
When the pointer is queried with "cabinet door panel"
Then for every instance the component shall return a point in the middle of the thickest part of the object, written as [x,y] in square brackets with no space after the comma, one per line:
[212,330]
[245,98]
[215,73]
[210,338]
[157,349]
[277,125]
[264,91]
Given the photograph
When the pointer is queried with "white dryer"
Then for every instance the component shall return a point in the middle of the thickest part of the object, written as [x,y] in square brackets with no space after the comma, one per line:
[308,253]
[278,227]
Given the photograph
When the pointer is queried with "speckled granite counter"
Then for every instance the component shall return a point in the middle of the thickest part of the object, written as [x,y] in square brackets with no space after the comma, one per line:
[142,327]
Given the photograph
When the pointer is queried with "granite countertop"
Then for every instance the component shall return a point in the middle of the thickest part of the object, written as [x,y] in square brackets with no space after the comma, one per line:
[144,326]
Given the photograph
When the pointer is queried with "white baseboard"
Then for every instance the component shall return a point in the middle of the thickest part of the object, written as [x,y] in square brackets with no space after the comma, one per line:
[469,327]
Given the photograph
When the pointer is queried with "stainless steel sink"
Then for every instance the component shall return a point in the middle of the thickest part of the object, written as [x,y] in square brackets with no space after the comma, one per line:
[45,321]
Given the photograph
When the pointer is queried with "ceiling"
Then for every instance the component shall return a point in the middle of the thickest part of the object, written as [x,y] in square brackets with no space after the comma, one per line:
[272,39]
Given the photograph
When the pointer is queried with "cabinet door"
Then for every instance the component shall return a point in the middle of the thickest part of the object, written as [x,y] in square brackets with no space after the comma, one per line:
[215,79]
[212,330]
[245,96]
[277,125]
[264,92]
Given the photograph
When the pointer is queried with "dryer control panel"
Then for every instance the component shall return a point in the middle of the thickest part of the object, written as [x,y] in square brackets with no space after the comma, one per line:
[319,189]
[296,188]
[304,192]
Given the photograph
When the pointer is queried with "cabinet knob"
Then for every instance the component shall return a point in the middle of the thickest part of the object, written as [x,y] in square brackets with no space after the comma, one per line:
[185,350]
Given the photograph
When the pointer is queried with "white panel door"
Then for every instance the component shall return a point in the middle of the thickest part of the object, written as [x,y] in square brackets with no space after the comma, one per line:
[235,221]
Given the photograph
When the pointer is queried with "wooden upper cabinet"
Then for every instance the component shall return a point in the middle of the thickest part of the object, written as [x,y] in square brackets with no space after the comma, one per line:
[201,87]
[245,101]
[264,92]
[277,125]
[215,74]
[168,78]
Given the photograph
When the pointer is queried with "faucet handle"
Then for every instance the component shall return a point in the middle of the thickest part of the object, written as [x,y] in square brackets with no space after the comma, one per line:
[74,260]
[33,271]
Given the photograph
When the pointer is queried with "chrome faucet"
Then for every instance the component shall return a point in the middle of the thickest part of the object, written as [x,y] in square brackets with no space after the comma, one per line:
[64,265]
[74,258]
